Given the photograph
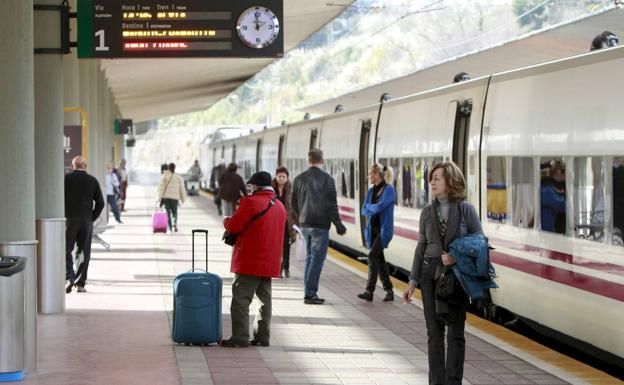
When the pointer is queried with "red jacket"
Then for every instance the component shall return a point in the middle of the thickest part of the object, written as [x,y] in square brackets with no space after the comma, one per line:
[258,250]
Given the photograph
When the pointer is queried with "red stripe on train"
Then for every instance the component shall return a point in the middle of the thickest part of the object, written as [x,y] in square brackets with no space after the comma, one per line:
[347,218]
[575,260]
[552,273]
[346,208]
[565,277]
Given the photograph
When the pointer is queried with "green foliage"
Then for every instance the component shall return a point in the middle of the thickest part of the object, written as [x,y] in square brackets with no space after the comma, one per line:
[375,41]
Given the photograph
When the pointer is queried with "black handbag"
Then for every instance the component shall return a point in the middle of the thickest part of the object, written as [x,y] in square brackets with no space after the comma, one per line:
[230,238]
[446,285]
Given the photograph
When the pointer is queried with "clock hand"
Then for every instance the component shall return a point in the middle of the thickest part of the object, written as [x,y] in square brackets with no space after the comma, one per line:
[257,22]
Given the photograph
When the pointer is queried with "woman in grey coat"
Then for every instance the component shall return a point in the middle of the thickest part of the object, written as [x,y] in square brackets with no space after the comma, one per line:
[448,217]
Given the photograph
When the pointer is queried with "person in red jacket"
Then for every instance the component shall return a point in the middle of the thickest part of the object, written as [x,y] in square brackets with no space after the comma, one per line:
[256,258]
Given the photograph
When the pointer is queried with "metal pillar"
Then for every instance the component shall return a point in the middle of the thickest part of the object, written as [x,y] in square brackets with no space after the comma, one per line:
[49,185]
[17,155]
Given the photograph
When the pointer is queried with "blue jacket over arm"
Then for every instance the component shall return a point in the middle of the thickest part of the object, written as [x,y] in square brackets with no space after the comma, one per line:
[385,208]
[472,264]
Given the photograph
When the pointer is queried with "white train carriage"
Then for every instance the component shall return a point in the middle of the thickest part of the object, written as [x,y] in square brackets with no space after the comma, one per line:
[561,270]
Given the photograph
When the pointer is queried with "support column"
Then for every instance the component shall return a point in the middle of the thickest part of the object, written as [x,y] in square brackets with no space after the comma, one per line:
[49,165]
[17,155]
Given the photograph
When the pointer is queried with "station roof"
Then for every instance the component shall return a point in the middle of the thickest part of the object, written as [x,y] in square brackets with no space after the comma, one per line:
[146,89]
[564,40]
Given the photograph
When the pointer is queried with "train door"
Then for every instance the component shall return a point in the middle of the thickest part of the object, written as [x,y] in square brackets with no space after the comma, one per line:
[363,170]
[259,155]
[460,133]
[314,138]
[280,151]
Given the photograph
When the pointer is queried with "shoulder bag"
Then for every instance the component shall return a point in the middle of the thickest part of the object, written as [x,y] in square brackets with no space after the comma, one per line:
[162,200]
[230,238]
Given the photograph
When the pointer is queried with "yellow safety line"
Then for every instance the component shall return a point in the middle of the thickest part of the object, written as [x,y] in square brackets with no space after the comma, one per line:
[567,364]
[85,132]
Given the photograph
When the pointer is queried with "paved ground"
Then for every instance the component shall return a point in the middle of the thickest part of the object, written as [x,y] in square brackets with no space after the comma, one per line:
[119,332]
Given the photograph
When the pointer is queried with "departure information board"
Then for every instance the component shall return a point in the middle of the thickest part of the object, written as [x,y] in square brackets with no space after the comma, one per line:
[180,28]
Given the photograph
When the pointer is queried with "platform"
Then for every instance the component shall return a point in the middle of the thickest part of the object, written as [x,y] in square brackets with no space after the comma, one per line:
[119,331]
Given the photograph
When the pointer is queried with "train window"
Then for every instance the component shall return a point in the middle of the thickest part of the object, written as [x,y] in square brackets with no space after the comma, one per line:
[618,201]
[410,180]
[496,189]
[553,195]
[522,187]
[352,179]
[589,204]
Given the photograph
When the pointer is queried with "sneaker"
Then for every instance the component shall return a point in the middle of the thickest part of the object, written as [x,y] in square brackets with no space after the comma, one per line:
[389,296]
[313,300]
[286,273]
[81,289]
[367,296]
[175,228]
[68,286]
[259,343]
[232,343]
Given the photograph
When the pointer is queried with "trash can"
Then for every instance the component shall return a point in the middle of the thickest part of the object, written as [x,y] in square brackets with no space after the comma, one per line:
[12,318]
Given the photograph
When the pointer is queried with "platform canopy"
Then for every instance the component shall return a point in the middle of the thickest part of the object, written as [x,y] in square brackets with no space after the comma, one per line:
[147,89]
[560,41]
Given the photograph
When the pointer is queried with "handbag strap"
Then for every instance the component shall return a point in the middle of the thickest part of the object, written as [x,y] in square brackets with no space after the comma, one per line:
[260,214]
[167,184]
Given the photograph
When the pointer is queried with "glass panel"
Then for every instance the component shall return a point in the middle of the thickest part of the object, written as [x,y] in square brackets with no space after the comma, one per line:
[618,201]
[522,187]
[496,189]
[553,195]
[589,198]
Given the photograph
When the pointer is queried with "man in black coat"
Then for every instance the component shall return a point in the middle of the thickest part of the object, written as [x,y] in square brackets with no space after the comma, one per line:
[83,205]
[315,205]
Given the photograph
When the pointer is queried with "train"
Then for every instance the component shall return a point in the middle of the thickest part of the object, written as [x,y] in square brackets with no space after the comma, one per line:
[507,131]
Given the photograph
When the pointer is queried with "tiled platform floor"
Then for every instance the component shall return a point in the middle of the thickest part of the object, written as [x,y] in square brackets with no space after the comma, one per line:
[119,332]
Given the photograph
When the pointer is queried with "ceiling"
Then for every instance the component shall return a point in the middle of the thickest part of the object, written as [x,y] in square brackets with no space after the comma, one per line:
[146,89]
[558,42]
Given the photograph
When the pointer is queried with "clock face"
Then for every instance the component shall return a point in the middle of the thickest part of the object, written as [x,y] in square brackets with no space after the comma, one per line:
[257,27]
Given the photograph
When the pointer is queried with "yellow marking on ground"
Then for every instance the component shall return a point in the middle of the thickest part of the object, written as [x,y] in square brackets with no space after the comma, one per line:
[563,362]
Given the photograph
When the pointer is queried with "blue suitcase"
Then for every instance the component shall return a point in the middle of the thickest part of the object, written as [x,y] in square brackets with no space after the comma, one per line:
[197,304]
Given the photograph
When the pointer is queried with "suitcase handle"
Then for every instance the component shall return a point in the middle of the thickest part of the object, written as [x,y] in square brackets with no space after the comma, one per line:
[204,232]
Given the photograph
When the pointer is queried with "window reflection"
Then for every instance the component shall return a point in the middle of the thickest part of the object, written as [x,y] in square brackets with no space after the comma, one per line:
[553,195]
[522,187]
[618,201]
[589,198]
[496,189]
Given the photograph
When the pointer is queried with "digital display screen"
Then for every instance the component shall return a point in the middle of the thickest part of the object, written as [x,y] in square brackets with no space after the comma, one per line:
[174,28]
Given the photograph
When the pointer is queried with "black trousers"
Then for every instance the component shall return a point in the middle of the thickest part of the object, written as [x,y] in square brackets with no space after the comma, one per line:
[441,371]
[286,250]
[78,232]
[377,267]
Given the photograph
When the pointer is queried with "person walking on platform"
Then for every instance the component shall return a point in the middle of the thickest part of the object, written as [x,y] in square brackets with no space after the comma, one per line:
[112,188]
[283,190]
[215,176]
[231,188]
[170,192]
[83,205]
[379,209]
[448,217]
[314,204]
[123,185]
[195,171]
[259,223]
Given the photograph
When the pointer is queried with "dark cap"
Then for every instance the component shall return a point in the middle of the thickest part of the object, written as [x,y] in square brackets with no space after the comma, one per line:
[261,178]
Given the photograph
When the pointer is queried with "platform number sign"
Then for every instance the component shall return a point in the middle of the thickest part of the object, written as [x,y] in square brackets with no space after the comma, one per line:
[180,28]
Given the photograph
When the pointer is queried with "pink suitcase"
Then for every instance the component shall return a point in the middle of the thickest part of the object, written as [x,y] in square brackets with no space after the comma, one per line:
[159,222]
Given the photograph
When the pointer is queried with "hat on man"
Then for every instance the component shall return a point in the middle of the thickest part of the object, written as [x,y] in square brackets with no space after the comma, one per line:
[261,178]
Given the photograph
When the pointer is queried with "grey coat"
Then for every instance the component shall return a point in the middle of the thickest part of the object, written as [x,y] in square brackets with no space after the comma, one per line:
[463,219]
